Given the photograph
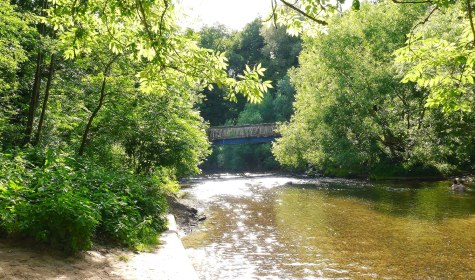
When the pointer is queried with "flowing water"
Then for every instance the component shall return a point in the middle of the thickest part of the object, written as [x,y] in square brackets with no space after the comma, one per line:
[264,227]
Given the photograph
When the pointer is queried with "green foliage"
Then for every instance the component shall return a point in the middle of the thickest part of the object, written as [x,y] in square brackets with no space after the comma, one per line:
[284,98]
[134,132]
[132,207]
[13,30]
[353,117]
[305,16]
[168,55]
[277,52]
[66,203]
[42,203]
[439,57]
[241,49]
[98,118]
[14,33]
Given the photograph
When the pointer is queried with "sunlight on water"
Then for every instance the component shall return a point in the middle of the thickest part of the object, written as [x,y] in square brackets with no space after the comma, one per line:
[237,186]
[268,228]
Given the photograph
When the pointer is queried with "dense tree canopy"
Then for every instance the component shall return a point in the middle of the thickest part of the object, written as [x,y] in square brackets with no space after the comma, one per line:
[352,114]
[438,52]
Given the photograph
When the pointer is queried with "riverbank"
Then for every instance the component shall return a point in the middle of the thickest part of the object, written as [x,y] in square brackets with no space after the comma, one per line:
[20,261]
[314,174]
[188,213]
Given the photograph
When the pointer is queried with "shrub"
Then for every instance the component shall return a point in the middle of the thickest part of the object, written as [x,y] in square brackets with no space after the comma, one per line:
[66,203]
[131,207]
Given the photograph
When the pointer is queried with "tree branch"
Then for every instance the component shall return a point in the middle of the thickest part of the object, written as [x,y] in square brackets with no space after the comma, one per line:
[273,15]
[470,17]
[143,17]
[426,19]
[163,16]
[293,7]
[412,2]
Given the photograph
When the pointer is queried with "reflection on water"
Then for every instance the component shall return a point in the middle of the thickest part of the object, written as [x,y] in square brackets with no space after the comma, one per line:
[262,228]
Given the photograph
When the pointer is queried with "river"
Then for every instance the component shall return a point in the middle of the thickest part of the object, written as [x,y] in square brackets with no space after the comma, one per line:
[277,227]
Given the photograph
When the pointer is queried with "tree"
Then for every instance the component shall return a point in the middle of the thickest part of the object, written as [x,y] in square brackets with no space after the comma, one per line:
[280,51]
[284,97]
[439,63]
[104,95]
[439,57]
[166,62]
[14,32]
[352,116]
[214,108]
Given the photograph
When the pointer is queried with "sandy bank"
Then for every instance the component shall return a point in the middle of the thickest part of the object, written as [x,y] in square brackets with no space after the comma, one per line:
[167,261]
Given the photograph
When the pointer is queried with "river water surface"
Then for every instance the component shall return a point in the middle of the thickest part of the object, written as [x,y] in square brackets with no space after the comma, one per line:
[263,227]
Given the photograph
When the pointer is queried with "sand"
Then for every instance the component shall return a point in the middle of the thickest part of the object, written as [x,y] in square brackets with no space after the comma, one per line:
[18,262]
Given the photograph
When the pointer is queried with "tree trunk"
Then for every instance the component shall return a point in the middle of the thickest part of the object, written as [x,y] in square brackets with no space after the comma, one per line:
[34,98]
[91,118]
[98,107]
[35,94]
[45,100]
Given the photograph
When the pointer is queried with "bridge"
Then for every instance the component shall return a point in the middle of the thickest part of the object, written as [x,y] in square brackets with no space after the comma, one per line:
[243,134]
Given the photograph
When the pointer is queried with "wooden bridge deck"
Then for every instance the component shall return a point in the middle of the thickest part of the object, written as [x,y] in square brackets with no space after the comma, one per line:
[265,130]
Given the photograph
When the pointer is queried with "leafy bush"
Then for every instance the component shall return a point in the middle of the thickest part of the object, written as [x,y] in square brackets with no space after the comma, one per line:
[131,206]
[63,219]
[66,203]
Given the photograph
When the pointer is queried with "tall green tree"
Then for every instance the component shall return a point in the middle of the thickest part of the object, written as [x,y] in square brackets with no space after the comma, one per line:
[352,116]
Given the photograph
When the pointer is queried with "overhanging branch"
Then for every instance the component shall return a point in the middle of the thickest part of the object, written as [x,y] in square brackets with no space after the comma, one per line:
[412,2]
[293,7]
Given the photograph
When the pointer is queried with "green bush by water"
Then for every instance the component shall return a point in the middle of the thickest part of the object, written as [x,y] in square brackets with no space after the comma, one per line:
[66,203]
